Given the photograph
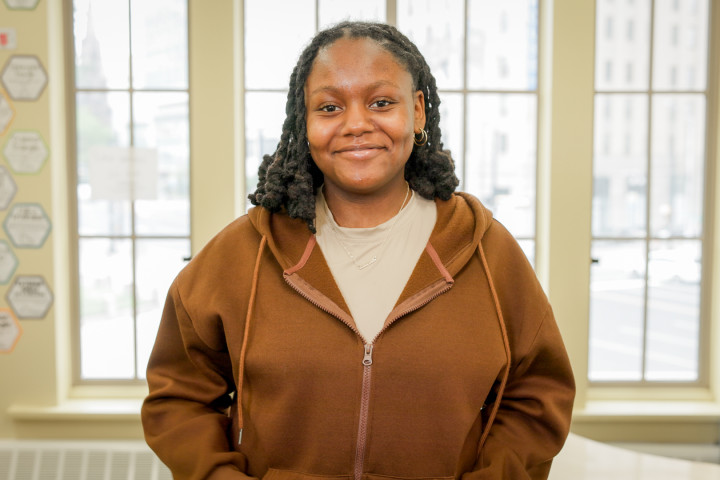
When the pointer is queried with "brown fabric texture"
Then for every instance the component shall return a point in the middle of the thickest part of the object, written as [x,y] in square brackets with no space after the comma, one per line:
[433,383]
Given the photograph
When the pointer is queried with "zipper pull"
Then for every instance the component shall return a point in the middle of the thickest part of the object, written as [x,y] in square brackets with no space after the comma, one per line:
[367,359]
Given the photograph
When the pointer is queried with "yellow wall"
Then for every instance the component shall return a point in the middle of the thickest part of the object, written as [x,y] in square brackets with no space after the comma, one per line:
[27,373]
[37,399]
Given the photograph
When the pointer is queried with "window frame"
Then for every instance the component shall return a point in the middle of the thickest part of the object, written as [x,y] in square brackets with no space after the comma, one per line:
[706,236]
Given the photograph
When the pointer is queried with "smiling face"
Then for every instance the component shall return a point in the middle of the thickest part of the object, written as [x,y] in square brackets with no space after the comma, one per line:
[362,113]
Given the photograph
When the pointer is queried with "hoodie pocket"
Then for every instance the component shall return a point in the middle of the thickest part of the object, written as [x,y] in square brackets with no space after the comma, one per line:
[373,476]
[277,474]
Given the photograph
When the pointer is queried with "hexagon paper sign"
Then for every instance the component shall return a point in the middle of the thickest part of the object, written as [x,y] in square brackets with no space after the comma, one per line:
[10,330]
[29,296]
[8,188]
[7,113]
[8,262]
[27,225]
[26,152]
[24,77]
[21,4]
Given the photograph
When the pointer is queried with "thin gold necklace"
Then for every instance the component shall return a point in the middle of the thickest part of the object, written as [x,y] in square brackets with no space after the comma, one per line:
[381,249]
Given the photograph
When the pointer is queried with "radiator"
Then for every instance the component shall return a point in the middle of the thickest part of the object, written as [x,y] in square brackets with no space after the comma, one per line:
[79,460]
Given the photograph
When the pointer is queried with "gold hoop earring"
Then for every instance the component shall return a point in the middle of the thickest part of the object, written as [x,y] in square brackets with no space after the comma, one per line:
[422,140]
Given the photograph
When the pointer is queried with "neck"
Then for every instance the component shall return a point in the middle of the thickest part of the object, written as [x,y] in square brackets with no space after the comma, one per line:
[362,211]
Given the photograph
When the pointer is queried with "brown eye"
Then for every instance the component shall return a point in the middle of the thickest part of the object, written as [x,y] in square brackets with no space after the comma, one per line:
[328,108]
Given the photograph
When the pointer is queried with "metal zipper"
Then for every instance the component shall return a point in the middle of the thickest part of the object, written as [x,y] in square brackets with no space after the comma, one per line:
[367,362]
[365,390]
[322,307]
[415,307]
[364,408]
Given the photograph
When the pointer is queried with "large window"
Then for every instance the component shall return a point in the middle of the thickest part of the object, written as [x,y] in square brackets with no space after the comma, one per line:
[484,55]
[130,96]
[646,319]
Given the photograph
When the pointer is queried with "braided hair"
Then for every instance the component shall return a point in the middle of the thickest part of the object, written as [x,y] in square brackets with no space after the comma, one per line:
[289,178]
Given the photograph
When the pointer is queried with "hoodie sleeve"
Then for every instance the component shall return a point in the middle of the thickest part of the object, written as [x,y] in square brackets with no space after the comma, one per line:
[184,416]
[533,417]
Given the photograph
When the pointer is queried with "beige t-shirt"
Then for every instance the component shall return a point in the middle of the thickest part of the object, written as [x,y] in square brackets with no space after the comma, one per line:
[372,291]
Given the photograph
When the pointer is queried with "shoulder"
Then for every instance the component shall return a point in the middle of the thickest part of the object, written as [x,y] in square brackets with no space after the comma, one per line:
[214,285]
[230,249]
[523,301]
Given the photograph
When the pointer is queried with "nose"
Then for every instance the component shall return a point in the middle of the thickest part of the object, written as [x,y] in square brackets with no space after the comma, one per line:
[357,120]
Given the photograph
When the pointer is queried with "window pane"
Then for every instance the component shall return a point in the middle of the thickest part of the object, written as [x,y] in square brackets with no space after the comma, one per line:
[159,44]
[620,165]
[106,309]
[334,11]
[102,53]
[681,43]
[264,116]
[674,273]
[501,152]
[616,310]
[281,38]
[158,262]
[102,121]
[161,122]
[435,26]
[451,125]
[502,44]
[622,45]
[678,151]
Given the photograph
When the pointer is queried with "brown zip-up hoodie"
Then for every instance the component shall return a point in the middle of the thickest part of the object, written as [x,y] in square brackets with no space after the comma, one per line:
[468,379]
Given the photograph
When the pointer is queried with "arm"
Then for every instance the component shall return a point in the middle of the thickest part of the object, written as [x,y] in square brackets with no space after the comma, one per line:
[190,385]
[533,418]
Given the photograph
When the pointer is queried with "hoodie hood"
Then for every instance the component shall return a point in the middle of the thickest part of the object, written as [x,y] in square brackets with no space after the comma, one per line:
[454,238]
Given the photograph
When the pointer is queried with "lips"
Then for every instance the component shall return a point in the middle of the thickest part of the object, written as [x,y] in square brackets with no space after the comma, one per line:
[359,146]
[360,151]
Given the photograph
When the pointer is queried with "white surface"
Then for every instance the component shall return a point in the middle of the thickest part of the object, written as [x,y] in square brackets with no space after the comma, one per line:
[584,459]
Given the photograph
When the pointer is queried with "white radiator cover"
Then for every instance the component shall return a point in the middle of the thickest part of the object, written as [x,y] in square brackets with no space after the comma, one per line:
[133,460]
[79,460]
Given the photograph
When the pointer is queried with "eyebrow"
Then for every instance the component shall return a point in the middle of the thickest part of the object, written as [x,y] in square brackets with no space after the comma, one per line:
[331,88]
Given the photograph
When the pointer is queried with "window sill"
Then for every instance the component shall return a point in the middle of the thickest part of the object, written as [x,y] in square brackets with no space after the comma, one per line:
[116,419]
[649,421]
[648,411]
[79,410]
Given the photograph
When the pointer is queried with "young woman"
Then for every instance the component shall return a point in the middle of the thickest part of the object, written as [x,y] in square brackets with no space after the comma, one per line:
[363,321]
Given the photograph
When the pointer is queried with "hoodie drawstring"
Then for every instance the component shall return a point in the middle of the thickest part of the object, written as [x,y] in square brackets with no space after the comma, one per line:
[251,305]
[501,321]
[506,344]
